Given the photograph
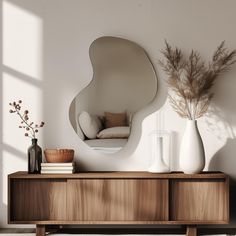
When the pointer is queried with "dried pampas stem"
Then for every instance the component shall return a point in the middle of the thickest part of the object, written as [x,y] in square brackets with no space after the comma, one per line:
[190,80]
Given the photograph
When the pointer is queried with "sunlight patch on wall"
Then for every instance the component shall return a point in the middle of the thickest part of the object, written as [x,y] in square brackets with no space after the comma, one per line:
[9,161]
[22,66]
[14,89]
[22,40]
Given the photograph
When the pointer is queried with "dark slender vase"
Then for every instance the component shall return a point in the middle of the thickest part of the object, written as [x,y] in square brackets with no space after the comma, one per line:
[34,158]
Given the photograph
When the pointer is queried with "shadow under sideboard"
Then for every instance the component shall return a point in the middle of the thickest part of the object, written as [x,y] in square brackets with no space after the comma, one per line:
[119,231]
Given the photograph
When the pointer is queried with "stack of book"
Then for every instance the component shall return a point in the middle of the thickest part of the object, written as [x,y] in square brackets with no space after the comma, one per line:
[58,168]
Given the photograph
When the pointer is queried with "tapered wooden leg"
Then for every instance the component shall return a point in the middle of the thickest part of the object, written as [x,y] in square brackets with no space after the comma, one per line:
[191,231]
[40,230]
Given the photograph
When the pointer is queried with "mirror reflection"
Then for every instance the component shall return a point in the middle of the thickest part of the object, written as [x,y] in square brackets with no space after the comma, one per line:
[124,82]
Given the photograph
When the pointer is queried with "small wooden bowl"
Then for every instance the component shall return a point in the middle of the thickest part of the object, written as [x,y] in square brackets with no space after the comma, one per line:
[59,155]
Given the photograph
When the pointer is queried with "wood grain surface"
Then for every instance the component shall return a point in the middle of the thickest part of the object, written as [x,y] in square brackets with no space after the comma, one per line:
[40,230]
[117,200]
[37,200]
[191,231]
[120,175]
[120,222]
[198,200]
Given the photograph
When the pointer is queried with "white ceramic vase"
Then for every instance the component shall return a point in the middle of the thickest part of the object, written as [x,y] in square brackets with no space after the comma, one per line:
[192,154]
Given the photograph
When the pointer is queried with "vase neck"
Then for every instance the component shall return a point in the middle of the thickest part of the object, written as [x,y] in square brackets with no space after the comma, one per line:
[191,124]
[34,141]
[192,121]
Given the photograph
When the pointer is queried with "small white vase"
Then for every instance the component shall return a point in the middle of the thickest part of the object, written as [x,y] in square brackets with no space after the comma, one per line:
[158,165]
[192,155]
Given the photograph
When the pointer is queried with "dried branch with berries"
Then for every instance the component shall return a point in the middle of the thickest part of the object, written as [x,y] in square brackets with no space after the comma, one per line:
[30,127]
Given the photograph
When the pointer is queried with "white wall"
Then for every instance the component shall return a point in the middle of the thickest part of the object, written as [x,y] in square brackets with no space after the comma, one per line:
[45,63]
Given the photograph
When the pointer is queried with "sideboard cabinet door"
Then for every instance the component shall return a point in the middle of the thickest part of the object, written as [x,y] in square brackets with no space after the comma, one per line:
[199,200]
[117,200]
[37,199]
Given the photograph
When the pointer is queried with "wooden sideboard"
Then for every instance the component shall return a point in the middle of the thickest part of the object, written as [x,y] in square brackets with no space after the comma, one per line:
[118,198]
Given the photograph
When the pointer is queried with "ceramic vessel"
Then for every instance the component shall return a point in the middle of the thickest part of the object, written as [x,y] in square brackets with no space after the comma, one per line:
[34,158]
[192,154]
[158,165]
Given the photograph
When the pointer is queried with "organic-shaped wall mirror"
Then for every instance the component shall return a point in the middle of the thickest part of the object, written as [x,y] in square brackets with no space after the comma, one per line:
[124,81]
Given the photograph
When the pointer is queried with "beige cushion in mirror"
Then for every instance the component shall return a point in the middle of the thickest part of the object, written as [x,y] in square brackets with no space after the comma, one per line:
[115,119]
[114,132]
[89,124]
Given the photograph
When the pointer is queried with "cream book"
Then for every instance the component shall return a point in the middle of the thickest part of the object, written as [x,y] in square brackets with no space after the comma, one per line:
[57,167]
[58,164]
[57,172]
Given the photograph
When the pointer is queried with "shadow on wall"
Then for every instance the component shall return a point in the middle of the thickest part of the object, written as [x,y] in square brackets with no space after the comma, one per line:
[222,161]
[221,121]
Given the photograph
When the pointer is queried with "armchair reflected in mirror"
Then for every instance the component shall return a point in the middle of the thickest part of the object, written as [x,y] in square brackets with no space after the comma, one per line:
[124,82]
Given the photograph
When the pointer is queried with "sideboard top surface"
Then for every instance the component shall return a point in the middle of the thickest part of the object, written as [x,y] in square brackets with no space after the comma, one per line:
[120,175]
